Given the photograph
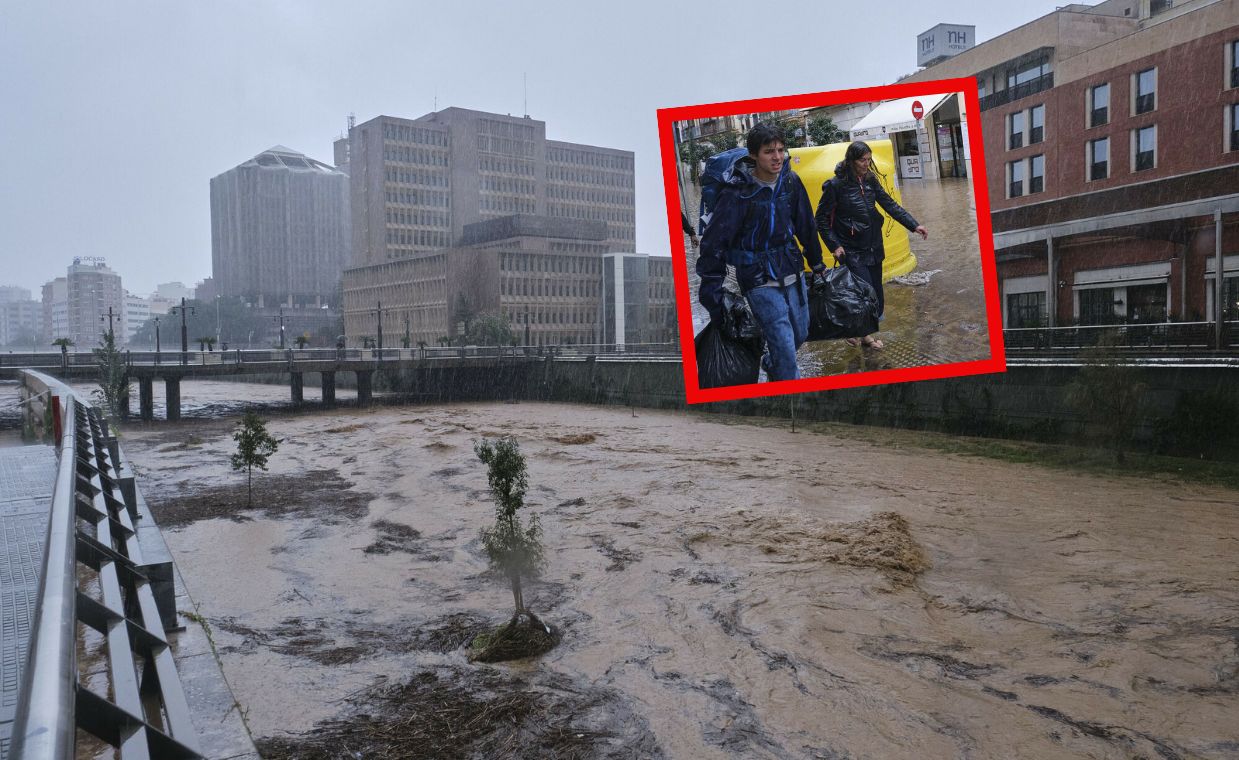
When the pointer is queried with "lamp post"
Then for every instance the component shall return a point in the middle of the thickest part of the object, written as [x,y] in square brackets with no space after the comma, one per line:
[280,318]
[184,329]
[217,330]
[379,311]
[156,340]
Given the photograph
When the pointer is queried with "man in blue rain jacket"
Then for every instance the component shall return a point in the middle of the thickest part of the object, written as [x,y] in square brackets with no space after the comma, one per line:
[761,212]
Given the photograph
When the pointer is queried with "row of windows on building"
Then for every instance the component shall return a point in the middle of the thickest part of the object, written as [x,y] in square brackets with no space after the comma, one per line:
[539,287]
[507,185]
[570,193]
[434,238]
[415,177]
[416,197]
[536,316]
[506,129]
[505,146]
[524,262]
[588,158]
[570,211]
[507,204]
[418,216]
[589,177]
[410,155]
[504,165]
[409,133]
[1026,176]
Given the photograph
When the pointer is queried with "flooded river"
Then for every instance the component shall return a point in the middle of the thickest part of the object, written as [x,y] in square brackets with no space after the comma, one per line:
[724,589]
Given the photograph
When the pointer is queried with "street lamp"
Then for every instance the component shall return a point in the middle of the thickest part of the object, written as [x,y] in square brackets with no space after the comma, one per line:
[281,320]
[184,329]
[217,332]
[156,340]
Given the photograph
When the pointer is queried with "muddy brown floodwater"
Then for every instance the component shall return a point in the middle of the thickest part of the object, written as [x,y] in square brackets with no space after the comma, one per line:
[724,589]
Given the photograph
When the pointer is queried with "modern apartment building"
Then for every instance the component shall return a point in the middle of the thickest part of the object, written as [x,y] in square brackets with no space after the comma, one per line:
[137,311]
[93,292]
[280,230]
[55,322]
[20,318]
[1112,151]
[416,184]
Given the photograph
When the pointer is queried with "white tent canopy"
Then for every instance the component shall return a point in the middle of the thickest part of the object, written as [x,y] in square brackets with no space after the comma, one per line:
[895,116]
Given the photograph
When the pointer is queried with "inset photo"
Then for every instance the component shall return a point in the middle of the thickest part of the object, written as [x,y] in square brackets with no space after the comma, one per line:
[831,240]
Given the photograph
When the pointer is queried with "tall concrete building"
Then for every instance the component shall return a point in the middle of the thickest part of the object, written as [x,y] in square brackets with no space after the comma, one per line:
[1111,137]
[460,212]
[55,322]
[93,290]
[417,183]
[20,318]
[280,230]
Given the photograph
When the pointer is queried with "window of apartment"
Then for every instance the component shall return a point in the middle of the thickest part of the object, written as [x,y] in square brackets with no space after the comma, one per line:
[1026,309]
[1036,122]
[1146,90]
[1099,105]
[1144,146]
[1015,130]
[1099,158]
[1232,63]
[1015,179]
[1232,126]
[1159,6]
[1036,174]
[1027,73]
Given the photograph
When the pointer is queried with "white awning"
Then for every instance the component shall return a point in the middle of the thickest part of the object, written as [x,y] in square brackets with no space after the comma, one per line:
[895,116]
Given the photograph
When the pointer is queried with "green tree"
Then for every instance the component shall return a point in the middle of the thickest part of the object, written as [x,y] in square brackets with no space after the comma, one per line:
[254,446]
[206,342]
[113,390]
[1109,395]
[693,152]
[489,329]
[793,132]
[301,340]
[824,131]
[63,343]
[514,549]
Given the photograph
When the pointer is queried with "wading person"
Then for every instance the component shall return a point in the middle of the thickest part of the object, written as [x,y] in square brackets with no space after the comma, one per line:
[760,213]
[849,222]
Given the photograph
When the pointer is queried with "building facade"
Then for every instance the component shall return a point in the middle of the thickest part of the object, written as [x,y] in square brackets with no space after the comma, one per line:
[638,299]
[55,312]
[416,184]
[93,293]
[280,230]
[20,320]
[542,275]
[137,311]
[1112,155]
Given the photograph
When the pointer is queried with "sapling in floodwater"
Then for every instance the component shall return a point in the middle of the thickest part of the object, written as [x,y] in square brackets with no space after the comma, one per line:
[514,548]
[254,446]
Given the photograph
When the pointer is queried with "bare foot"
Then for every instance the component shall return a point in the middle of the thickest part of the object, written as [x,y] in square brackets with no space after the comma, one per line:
[872,342]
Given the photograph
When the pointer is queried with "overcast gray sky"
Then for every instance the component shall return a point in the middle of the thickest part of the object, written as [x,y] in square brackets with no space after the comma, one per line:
[117,114]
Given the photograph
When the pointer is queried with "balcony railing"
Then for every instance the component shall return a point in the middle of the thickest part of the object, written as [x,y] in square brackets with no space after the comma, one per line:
[1023,90]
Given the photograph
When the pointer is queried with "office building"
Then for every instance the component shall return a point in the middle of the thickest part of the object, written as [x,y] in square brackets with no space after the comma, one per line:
[93,293]
[638,299]
[279,230]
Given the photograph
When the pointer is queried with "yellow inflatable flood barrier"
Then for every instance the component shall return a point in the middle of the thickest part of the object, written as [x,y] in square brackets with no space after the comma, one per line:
[817,164]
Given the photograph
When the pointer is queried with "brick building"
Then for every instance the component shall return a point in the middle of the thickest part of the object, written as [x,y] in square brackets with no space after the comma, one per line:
[1113,160]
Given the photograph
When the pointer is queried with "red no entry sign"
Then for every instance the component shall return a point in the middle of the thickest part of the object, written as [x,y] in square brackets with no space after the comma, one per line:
[918,110]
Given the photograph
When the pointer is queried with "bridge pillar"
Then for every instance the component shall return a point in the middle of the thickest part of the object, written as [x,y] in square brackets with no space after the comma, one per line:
[172,389]
[298,388]
[329,388]
[364,386]
[146,399]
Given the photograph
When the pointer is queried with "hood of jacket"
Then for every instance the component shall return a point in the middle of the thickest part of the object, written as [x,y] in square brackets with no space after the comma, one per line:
[740,175]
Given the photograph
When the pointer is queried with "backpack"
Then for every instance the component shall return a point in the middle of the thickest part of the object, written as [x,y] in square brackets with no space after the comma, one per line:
[712,183]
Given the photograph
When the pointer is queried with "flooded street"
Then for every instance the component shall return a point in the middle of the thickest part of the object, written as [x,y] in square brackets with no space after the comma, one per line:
[724,589]
[941,320]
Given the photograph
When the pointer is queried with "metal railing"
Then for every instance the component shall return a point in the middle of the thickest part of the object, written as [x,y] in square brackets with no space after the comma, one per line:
[1164,337]
[1015,92]
[92,576]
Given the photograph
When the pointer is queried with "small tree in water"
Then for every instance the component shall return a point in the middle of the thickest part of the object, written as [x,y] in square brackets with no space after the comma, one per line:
[254,446]
[113,389]
[515,549]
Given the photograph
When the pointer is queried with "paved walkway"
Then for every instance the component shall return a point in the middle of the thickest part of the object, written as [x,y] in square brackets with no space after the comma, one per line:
[27,475]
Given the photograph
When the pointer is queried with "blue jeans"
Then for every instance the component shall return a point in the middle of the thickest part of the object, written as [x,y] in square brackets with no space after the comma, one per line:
[783,314]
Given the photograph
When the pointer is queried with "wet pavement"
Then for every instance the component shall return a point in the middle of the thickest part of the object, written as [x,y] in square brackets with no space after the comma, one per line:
[717,601]
[934,315]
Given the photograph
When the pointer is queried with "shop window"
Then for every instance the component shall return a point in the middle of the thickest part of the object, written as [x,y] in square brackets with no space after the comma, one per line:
[1097,306]
[1099,159]
[1026,310]
[1015,130]
[1099,105]
[1146,303]
[1146,90]
[1036,118]
[1145,144]
[1230,299]
[1036,174]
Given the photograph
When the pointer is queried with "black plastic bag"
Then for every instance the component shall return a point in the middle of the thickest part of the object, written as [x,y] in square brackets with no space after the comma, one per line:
[841,305]
[729,350]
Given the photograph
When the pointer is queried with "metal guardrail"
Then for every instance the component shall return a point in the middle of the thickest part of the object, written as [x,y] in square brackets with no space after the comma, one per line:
[91,576]
[1164,337]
